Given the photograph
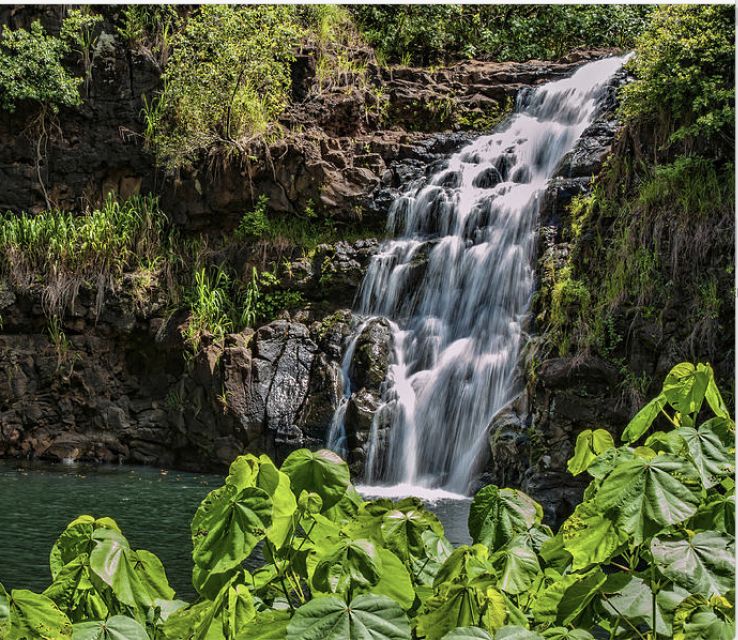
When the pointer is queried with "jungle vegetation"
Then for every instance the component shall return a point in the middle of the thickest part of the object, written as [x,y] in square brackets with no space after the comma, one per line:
[648,554]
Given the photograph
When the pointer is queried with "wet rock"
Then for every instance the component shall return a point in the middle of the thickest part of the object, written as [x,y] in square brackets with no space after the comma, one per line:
[372,355]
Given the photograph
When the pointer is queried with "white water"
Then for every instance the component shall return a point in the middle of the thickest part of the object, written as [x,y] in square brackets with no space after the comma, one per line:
[457,332]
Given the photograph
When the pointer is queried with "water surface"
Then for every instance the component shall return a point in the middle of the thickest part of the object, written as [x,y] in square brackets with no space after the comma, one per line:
[152,507]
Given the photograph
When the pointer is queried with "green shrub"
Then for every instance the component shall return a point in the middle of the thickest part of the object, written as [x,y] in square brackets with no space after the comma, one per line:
[649,553]
[685,66]
[31,69]
[254,224]
[426,35]
[227,78]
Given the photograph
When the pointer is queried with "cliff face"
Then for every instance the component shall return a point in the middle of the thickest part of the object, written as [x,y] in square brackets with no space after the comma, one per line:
[113,380]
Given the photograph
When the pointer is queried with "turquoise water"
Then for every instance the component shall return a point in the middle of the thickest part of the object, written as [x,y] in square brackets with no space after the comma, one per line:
[152,507]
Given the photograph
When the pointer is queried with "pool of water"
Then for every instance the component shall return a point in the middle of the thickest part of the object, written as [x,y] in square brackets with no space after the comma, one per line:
[152,507]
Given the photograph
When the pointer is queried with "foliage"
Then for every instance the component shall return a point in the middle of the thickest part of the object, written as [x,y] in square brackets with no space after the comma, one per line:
[254,223]
[440,33]
[226,80]
[685,70]
[648,554]
[151,28]
[220,304]
[654,237]
[31,69]
[210,307]
[61,250]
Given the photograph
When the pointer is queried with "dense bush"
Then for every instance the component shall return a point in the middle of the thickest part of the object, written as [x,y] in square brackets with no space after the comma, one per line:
[684,67]
[227,78]
[418,34]
[648,554]
[31,69]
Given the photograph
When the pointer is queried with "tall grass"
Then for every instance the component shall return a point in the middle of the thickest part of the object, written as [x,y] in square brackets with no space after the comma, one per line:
[61,251]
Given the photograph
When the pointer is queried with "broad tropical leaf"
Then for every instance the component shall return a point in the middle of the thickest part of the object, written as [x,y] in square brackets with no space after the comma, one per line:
[36,617]
[519,569]
[710,449]
[269,625]
[218,619]
[563,600]
[76,539]
[394,581]
[228,525]
[347,566]
[366,617]
[648,494]
[685,387]
[703,564]
[459,605]
[322,472]
[115,628]
[497,515]
[467,633]
[697,618]
[591,536]
[137,578]
[403,531]
[633,601]
[75,593]
[643,420]
[590,444]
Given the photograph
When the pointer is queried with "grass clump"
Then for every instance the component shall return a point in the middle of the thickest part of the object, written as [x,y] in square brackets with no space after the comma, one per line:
[60,251]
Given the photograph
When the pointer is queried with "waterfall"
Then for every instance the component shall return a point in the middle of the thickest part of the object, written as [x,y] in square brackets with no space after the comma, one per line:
[457,328]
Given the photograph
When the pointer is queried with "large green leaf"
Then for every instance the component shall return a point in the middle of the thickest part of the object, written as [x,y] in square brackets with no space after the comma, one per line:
[459,605]
[114,628]
[466,565]
[269,625]
[74,591]
[715,400]
[395,581]
[227,526]
[633,601]
[322,472]
[497,515]
[703,564]
[519,569]
[718,514]
[590,444]
[467,633]
[711,449]
[685,387]
[590,536]
[642,420]
[562,633]
[219,619]
[697,618]
[346,566]
[137,578]
[76,539]
[367,617]
[515,632]
[4,611]
[647,494]
[563,600]
[403,531]
[284,503]
[35,617]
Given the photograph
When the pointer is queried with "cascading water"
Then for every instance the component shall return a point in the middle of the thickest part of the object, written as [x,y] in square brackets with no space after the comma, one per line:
[457,329]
